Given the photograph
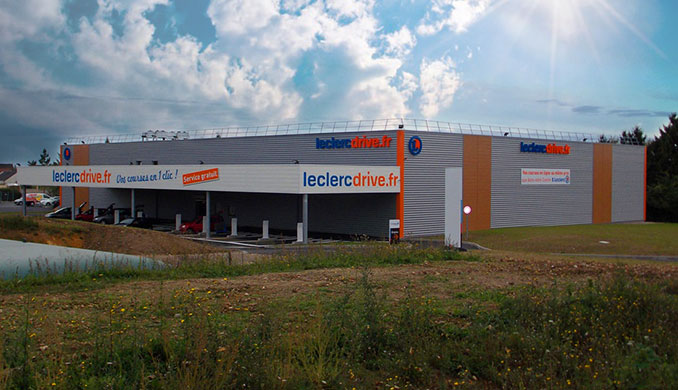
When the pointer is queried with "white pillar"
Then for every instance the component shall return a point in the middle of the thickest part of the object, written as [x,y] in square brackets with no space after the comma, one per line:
[234,227]
[264,230]
[177,222]
[204,224]
[96,212]
[208,214]
[304,213]
[300,232]
[116,216]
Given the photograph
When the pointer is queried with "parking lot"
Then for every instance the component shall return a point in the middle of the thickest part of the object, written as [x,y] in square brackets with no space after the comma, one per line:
[10,207]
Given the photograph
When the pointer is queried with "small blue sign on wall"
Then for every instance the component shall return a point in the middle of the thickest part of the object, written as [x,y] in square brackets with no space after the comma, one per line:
[67,154]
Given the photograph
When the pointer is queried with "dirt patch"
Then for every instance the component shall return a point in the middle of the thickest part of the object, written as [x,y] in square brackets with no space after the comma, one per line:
[78,234]
[441,280]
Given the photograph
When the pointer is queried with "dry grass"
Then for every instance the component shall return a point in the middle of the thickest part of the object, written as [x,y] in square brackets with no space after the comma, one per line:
[86,235]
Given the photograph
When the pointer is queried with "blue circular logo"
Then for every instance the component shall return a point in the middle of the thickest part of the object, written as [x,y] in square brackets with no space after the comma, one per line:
[415,145]
[67,154]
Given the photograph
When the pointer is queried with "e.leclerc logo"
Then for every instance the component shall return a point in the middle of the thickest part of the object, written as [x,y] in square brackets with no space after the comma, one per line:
[550,148]
[67,154]
[414,145]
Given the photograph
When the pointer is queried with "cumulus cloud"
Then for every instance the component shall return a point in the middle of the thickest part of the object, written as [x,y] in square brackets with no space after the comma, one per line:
[456,15]
[439,81]
[248,74]
[400,42]
[29,18]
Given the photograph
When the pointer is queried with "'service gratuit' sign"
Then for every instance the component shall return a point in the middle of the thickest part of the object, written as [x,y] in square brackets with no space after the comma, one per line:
[200,176]
[544,176]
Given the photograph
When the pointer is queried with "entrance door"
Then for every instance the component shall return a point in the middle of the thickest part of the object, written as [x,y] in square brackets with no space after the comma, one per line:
[453,206]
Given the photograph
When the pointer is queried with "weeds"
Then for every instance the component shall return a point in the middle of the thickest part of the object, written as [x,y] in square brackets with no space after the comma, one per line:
[99,274]
[615,334]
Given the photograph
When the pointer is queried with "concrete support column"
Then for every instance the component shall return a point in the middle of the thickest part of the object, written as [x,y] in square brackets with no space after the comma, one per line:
[300,232]
[264,230]
[304,213]
[73,203]
[177,222]
[133,210]
[234,227]
[208,214]
[96,212]
[116,216]
[23,203]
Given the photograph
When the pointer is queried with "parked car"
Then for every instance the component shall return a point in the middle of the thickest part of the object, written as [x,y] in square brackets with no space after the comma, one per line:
[195,226]
[31,199]
[87,215]
[139,222]
[108,216]
[63,213]
[49,201]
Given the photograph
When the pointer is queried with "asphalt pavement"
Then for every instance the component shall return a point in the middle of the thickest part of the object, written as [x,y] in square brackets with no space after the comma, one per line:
[10,207]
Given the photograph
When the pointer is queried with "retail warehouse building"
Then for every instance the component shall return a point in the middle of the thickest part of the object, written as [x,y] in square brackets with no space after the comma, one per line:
[351,178]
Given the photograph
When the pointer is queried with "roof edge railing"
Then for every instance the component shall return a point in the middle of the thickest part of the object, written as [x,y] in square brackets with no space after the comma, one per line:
[348,126]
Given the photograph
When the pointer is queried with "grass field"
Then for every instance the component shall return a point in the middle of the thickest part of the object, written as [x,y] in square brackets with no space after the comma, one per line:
[624,239]
[360,317]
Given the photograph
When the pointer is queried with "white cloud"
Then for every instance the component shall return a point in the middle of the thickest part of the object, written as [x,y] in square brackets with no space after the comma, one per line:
[247,74]
[401,42]
[29,18]
[409,84]
[457,15]
[241,16]
[439,81]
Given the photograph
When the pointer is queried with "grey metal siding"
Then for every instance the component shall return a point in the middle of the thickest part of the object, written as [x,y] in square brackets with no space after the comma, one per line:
[514,204]
[628,181]
[245,150]
[424,200]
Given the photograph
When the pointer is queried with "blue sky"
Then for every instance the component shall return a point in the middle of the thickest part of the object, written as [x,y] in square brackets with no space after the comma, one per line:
[93,67]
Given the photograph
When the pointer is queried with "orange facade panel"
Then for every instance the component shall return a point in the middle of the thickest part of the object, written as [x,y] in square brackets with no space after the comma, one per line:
[602,183]
[477,181]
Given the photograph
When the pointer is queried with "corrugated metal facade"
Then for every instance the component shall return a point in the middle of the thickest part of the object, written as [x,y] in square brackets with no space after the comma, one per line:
[514,204]
[424,211]
[628,183]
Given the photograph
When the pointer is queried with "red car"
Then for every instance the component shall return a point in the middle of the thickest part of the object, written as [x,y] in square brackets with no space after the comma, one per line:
[87,215]
[195,226]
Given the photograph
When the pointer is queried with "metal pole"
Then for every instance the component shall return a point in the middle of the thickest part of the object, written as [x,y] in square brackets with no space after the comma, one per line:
[134,208]
[208,213]
[467,227]
[23,204]
[73,203]
[305,217]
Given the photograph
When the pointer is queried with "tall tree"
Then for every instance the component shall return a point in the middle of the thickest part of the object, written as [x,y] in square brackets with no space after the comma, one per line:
[662,173]
[44,158]
[603,139]
[633,137]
